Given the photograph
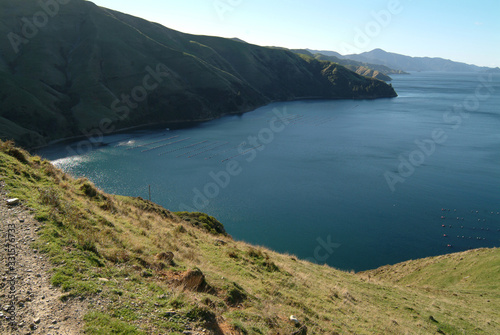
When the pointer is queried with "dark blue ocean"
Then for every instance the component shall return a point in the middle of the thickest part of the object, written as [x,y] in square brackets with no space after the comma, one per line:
[355,184]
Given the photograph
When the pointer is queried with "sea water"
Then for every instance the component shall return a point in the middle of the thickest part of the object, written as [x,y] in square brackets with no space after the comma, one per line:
[355,184]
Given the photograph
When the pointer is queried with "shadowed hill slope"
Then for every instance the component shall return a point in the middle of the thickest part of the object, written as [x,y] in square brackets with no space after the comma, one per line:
[144,270]
[71,68]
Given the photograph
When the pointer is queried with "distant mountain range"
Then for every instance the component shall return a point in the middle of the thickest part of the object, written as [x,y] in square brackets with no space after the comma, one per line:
[406,63]
[377,71]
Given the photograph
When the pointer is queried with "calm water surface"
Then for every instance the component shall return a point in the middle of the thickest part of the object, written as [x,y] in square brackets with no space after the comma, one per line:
[354,184]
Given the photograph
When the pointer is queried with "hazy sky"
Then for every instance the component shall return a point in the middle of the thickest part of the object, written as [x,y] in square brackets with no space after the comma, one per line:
[462,30]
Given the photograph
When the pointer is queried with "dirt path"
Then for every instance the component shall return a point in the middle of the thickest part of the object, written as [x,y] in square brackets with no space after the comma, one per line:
[28,303]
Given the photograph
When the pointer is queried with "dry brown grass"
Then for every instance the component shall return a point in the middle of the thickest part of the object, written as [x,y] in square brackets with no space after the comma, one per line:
[119,238]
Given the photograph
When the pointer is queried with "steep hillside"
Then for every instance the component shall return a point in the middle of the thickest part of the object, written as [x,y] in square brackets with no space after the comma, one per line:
[141,269]
[74,69]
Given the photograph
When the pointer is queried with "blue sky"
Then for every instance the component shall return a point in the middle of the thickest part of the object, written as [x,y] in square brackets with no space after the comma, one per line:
[461,30]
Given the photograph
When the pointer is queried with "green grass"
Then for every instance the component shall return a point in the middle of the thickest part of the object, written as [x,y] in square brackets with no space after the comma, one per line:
[204,221]
[106,248]
[101,324]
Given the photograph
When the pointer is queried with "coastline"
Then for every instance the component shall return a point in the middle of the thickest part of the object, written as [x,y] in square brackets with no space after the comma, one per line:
[189,123]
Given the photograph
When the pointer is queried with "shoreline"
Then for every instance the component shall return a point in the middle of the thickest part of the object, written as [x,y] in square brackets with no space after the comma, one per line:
[189,123]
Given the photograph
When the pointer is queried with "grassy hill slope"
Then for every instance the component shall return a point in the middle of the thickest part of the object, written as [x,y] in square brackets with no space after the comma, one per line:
[85,66]
[145,270]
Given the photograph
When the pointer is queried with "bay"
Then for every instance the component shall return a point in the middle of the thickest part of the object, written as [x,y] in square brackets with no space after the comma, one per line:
[355,184]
